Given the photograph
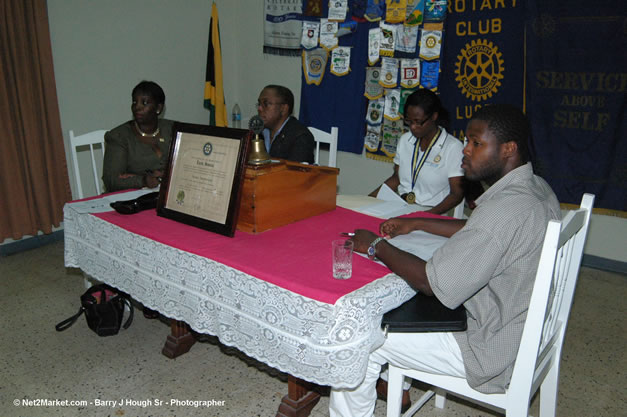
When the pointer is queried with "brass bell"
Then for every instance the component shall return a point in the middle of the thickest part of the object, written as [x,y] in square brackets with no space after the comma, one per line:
[258,154]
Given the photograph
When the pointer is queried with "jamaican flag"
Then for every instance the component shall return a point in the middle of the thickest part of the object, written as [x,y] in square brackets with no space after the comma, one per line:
[214,90]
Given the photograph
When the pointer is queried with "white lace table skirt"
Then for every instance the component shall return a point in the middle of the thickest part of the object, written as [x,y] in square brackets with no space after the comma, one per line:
[327,344]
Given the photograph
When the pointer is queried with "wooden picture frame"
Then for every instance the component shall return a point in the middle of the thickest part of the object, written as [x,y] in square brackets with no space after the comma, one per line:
[202,183]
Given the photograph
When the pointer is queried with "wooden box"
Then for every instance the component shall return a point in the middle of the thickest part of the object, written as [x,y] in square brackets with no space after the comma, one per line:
[277,194]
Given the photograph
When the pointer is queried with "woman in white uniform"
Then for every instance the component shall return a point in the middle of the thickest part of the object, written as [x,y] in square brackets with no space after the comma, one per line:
[427,165]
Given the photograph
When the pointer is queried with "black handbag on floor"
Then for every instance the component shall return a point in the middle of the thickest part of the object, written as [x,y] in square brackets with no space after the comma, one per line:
[103,306]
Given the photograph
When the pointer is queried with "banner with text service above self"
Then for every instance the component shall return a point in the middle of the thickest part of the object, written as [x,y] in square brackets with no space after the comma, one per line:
[483,58]
[576,90]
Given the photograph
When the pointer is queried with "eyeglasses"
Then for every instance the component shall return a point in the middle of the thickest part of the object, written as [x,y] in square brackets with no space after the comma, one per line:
[418,123]
[264,104]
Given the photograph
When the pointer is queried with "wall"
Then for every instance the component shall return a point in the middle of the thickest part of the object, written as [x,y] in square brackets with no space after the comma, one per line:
[102,49]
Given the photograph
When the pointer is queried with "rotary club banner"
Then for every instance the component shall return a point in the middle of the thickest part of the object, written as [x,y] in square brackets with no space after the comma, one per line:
[406,38]
[313,8]
[482,60]
[389,72]
[430,74]
[374,10]
[374,42]
[337,10]
[373,89]
[386,43]
[314,63]
[372,140]
[309,39]
[415,12]
[374,115]
[430,43]
[391,132]
[395,11]
[435,10]
[282,27]
[576,89]
[328,29]
[341,60]
[410,73]
[392,102]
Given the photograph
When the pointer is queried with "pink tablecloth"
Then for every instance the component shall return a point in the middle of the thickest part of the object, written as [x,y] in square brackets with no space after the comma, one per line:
[296,257]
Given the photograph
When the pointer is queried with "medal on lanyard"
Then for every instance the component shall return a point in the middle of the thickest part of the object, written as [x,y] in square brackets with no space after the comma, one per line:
[416,167]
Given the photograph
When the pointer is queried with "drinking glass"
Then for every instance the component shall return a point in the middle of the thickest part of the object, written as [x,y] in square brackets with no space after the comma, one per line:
[342,258]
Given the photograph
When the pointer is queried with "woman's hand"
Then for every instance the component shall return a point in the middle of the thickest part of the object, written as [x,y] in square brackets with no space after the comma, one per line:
[152,179]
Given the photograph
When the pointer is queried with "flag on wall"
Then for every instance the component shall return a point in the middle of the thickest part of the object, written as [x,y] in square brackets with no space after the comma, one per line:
[576,99]
[214,89]
[482,59]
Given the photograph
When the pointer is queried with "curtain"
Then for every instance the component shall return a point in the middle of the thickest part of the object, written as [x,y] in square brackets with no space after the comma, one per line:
[34,183]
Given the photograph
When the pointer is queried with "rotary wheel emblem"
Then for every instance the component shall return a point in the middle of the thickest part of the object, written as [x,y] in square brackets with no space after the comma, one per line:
[431,42]
[316,65]
[479,70]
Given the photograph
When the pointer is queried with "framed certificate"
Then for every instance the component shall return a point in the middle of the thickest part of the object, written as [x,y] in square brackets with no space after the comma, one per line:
[203,179]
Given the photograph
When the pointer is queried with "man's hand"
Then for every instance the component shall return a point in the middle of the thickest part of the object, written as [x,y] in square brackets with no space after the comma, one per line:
[362,239]
[396,226]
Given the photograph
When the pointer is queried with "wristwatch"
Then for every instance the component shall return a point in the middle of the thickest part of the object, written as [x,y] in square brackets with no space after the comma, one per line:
[371,249]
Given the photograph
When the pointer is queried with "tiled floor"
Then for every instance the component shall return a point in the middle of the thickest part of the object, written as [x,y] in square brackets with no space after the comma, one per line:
[38,363]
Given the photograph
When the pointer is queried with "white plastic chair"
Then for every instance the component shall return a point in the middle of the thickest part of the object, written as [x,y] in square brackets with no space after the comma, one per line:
[88,139]
[538,359]
[458,211]
[320,136]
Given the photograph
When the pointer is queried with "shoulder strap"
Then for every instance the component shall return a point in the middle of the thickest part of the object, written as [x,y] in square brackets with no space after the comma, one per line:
[130,315]
[67,323]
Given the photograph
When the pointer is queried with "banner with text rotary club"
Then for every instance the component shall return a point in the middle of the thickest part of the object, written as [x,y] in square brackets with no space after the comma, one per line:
[482,58]
[576,102]
[282,27]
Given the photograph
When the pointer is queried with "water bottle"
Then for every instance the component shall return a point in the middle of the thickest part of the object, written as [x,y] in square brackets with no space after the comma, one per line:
[237,117]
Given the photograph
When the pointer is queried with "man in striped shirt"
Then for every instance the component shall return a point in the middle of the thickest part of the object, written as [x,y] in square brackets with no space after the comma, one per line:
[488,265]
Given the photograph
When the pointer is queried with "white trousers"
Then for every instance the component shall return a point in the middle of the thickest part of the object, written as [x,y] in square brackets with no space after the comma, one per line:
[437,353]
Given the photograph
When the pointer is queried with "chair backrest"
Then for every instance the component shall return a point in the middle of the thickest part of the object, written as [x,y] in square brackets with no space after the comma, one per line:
[88,139]
[458,211]
[324,137]
[552,295]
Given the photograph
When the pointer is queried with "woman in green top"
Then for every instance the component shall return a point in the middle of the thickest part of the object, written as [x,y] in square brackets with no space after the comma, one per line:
[136,152]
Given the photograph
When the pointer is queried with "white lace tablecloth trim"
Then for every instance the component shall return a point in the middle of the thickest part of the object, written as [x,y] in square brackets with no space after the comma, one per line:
[327,344]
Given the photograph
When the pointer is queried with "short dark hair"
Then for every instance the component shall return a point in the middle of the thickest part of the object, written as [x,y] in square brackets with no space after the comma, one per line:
[508,123]
[285,94]
[429,102]
[152,89]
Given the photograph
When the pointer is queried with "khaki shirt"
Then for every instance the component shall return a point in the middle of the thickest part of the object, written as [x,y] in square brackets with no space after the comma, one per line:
[490,266]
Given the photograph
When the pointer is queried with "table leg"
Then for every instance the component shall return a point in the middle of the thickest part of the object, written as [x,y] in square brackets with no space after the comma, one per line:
[300,398]
[179,341]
